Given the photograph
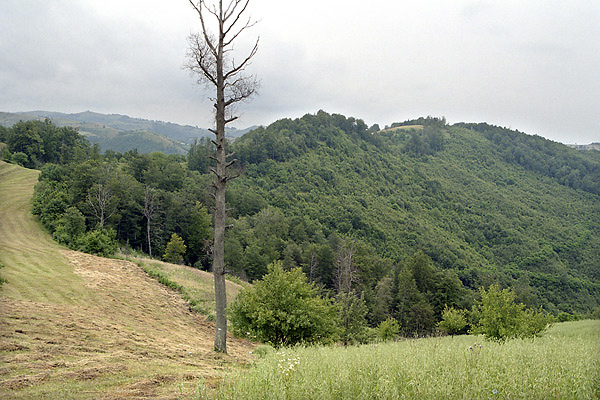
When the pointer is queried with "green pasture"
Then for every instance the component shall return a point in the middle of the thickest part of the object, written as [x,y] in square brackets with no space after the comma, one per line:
[563,364]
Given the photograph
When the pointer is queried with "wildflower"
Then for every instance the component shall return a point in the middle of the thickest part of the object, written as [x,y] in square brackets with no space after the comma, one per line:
[494,391]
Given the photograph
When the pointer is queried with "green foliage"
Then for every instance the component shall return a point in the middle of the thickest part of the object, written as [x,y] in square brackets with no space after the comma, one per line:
[432,221]
[564,317]
[499,318]
[34,143]
[198,156]
[50,201]
[70,227]
[388,329]
[352,318]
[175,250]
[453,321]
[283,309]
[262,351]
[99,241]
[478,216]
[20,158]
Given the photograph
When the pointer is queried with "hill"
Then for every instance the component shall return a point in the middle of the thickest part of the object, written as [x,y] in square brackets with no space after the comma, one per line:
[424,213]
[79,326]
[491,204]
[122,133]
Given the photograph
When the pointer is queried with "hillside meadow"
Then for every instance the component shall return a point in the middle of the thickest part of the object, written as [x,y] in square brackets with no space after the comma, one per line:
[78,326]
[563,364]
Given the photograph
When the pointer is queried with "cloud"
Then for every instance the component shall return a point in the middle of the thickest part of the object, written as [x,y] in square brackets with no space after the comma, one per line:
[530,65]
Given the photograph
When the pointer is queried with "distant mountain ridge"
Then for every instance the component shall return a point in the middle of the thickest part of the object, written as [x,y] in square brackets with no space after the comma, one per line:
[123,133]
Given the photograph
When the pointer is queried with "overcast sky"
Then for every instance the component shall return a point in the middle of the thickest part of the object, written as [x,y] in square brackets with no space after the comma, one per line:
[531,65]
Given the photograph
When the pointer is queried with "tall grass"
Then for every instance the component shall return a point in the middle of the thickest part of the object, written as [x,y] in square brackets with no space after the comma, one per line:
[565,364]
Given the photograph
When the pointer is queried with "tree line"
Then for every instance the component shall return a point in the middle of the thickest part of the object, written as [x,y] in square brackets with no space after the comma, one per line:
[372,224]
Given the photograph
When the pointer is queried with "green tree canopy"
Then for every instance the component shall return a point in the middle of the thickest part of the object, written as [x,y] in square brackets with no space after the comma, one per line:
[175,249]
[500,318]
[284,309]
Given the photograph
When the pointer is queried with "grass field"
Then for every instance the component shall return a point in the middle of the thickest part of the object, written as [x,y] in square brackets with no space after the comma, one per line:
[563,364]
[77,326]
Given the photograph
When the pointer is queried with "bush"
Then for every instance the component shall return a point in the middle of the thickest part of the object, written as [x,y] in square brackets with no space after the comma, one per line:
[175,250]
[453,321]
[534,323]
[352,312]
[283,309]
[499,318]
[388,329]
[70,227]
[20,158]
[100,242]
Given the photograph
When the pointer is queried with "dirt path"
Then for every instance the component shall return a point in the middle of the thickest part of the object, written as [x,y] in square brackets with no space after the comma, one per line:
[73,325]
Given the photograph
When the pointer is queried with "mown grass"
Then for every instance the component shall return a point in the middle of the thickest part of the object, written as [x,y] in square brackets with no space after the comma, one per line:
[563,364]
[196,286]
[77,326]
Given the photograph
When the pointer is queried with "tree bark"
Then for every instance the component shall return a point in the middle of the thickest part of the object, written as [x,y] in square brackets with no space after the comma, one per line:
[207,60]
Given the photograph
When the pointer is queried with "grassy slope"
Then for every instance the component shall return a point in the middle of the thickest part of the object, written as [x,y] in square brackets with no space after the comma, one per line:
[563,364]
[74,325]
[195,285]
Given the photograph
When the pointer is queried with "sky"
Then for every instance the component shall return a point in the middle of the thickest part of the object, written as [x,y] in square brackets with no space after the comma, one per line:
[531,65]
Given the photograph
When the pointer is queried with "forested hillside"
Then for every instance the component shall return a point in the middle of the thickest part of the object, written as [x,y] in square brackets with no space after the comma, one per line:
[491,204]
[409,219]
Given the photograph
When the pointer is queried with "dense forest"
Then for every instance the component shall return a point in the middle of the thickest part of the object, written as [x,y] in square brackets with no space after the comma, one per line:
[409,219]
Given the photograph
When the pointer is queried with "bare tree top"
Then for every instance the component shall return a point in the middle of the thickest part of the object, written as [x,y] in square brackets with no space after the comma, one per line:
[210,57]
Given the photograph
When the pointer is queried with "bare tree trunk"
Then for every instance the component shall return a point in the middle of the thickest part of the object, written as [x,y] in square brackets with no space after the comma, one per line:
[219,224]
[99,200]
[149,210]
[346,273]
[207,59]
[148,236]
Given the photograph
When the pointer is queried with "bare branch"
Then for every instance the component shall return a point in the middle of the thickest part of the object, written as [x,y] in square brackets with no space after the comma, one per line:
[235,70]
[208,59]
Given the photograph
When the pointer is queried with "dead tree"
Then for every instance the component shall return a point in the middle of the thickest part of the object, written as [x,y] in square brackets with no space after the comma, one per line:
[99,198]
[345,273]
[209,58]
[149,211]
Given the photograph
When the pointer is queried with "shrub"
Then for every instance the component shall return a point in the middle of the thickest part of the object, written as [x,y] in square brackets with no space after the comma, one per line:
[70,227]
[175,249]
[20,158]
[283,309]
[352,312]
[388,329]
[5,154]
[262,351]
[101,242]
[453,321]
[499,318]
[534,323]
